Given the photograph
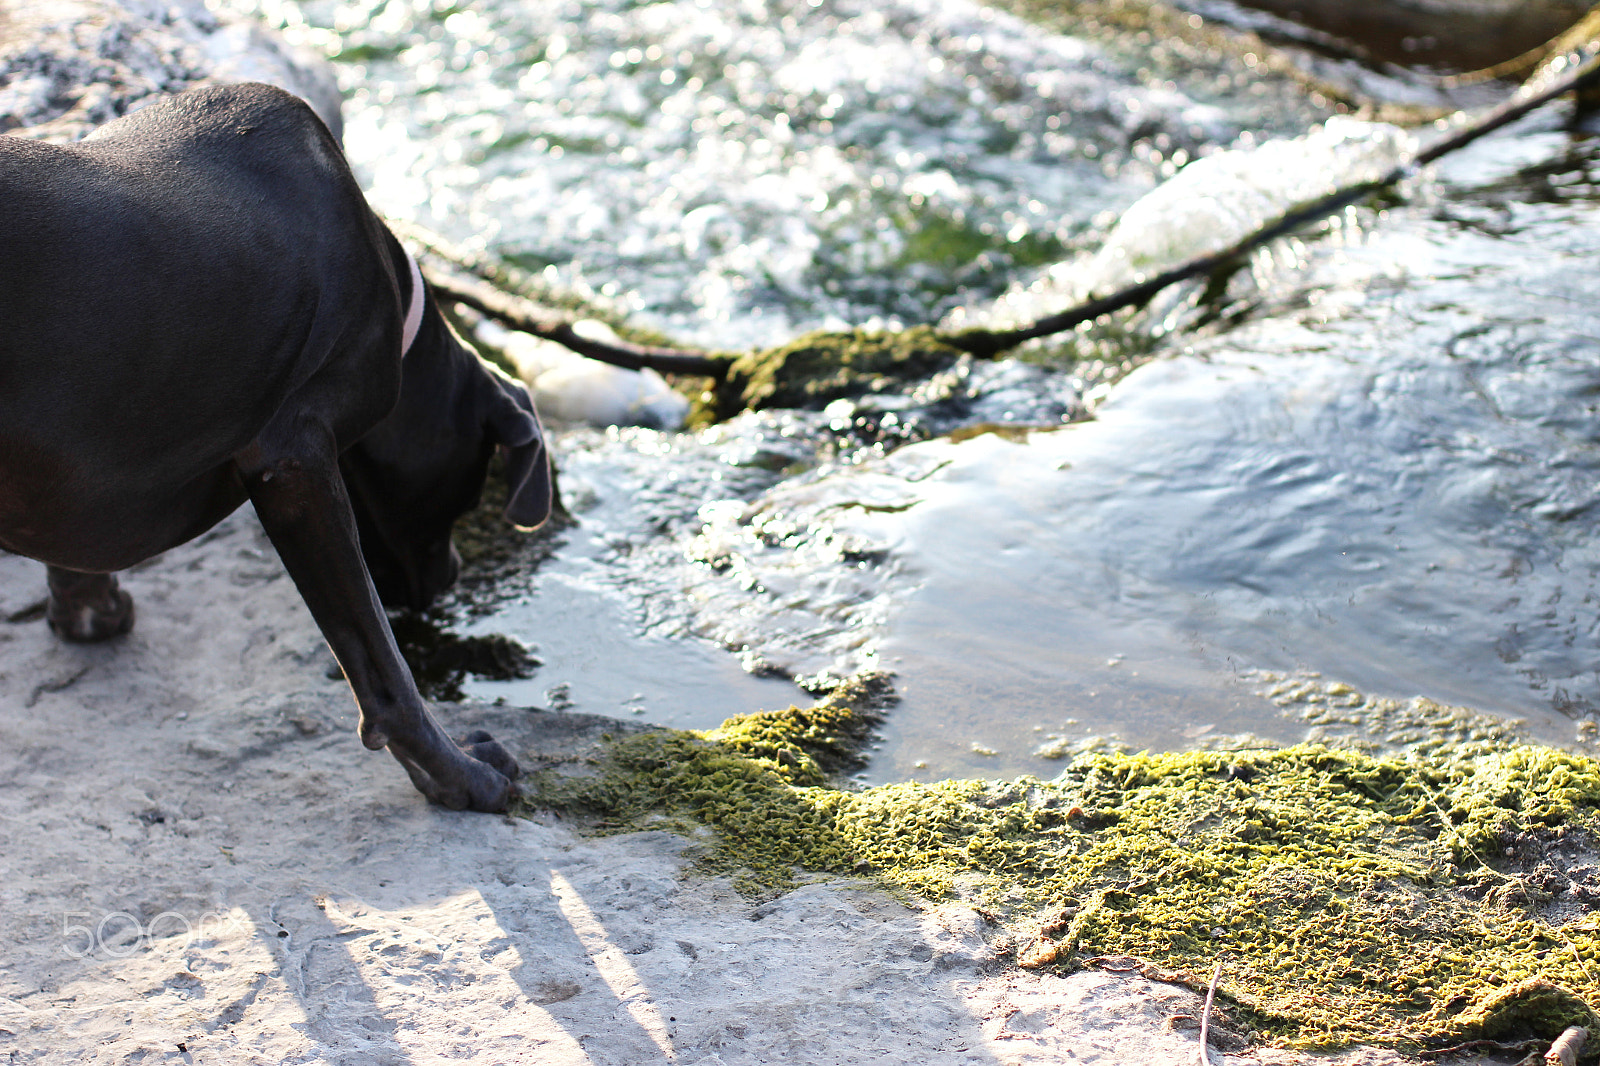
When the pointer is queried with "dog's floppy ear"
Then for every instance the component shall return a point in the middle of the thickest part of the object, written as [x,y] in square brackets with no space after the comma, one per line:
[514,425]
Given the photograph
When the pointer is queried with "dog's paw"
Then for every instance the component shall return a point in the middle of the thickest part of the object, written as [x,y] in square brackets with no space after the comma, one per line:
[483,747]
[86,622]
[475,775]
[484,787]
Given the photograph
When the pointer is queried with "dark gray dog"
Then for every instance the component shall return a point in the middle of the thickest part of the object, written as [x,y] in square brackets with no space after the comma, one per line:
[197,307]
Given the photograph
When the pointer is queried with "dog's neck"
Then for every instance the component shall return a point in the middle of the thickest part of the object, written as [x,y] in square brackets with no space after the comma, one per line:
[413,309]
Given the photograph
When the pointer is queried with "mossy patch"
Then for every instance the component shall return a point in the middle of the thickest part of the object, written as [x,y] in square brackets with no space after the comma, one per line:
[813,370]
[1410,901]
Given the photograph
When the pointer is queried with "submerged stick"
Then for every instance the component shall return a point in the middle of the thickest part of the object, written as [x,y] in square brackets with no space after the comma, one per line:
[1205,1015]
[1579,34]
[1564,1052]
[987,343]
[494,288]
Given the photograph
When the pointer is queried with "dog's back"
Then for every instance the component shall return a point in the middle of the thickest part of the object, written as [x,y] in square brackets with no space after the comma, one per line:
[200,256]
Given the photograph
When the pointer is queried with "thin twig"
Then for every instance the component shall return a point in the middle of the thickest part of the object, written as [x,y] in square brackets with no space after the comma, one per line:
[1521,1047]
[1579,33]
[1564,1051]
[1576,954]
[1205,1015]
[526,316]
[31,613]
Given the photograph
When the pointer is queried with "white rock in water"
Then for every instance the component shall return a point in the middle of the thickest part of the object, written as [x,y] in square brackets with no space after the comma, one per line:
[568,387]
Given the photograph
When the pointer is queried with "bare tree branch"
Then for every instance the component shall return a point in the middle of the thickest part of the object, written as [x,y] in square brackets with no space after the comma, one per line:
[524,315]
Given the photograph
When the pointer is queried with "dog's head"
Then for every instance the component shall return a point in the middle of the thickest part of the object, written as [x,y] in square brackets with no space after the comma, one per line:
[423,467]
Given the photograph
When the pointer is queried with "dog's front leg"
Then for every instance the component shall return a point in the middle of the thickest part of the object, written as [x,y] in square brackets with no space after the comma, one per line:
[299,495]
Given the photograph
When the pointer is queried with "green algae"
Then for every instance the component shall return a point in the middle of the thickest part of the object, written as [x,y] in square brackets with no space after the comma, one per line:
[1533,1008]
[1401,900]
[820,367]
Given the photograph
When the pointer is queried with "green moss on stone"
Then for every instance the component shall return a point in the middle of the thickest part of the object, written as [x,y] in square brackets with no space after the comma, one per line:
[1530,1009]
[809,743]
[1354,898]
[817,368]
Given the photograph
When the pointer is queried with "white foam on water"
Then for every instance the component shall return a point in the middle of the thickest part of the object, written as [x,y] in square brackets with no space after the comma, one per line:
[736,172]
[1220,199]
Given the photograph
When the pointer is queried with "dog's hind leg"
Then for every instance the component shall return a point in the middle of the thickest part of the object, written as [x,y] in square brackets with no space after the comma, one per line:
[87,607]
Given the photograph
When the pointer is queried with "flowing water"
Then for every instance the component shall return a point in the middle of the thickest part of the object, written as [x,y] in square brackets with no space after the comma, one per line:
[1370,455]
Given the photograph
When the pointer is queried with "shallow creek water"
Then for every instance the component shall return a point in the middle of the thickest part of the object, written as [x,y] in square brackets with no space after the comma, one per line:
[1379,465]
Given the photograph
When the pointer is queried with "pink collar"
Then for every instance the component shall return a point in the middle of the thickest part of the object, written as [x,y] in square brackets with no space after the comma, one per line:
[414,311]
